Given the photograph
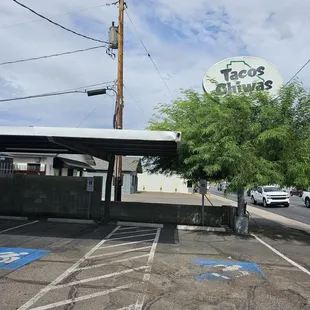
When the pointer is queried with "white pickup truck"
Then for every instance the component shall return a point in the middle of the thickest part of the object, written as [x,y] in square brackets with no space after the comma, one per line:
[306,198]
[270,195]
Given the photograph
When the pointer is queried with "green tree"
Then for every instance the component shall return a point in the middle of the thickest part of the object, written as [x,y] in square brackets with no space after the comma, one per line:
[247,139]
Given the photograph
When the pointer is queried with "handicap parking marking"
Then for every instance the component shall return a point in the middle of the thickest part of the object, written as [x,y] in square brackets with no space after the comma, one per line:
[15,258]
[227,270]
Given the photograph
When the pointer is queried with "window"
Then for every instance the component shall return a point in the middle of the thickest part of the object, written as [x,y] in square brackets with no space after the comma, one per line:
[272,189]
[33,167]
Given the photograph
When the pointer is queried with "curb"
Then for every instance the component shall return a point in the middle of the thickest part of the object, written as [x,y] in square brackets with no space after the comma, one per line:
[120,223]
[201,228]
[71,221]
[14,218]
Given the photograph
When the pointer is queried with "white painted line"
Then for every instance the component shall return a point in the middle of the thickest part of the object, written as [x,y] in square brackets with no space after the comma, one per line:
[130,307]
[132,236]
[113,262]
[120,223]
[201,228]
[147,275]
[125,251]
[127,243]
[46,289]
[137,231]
[19,226]
[282,255]
[127,228]
[71,221]
[85,297]
[14,218]
[109,275]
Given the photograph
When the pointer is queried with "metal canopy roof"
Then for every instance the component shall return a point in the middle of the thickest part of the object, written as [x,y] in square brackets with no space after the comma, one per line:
[96,142]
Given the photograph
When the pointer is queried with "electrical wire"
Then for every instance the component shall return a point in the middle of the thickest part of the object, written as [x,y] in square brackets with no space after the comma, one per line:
[297,72]
[52,55]
[88,115]
[133,98]
[63,14]
[87,86]
[43,95]
[56,24]
[148,54]
[61,92]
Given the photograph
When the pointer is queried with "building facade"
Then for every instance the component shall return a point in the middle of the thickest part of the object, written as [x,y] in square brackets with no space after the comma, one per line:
[161,183]
[131,168]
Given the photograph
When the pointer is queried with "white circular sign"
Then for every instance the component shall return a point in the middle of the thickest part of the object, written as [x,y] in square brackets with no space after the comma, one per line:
[242,74]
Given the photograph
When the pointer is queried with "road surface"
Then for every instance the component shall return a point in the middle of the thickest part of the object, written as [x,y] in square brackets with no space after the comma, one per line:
[296,211]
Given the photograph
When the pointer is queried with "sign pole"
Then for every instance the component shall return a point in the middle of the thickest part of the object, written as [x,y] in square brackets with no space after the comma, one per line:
[89,204]
[203,209]
[203,191]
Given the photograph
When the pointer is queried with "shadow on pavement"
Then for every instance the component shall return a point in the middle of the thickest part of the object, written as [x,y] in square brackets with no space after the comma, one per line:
[276,231]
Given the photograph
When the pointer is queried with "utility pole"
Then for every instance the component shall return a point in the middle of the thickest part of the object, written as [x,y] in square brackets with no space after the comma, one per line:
[120,98]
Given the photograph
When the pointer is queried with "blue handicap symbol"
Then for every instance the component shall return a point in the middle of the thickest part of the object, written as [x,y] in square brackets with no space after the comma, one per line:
[15,258]
[228,269]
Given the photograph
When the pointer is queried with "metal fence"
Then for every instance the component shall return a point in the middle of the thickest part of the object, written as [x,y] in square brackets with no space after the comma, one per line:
[6,168]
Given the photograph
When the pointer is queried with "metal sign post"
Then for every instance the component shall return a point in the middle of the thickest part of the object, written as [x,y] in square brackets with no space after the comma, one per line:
[89,189]
[203,191]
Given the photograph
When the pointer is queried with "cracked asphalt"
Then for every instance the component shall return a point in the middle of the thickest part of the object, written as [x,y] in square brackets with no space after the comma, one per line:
[129,269]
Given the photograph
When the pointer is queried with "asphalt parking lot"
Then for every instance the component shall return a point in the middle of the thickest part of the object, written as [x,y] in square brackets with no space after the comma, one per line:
[77,266]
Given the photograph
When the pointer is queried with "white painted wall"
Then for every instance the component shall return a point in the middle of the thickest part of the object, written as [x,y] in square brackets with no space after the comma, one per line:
[21,163]
[153,182]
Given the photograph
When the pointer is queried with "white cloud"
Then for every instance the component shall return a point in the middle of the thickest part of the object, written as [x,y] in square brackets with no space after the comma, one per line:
[184,39]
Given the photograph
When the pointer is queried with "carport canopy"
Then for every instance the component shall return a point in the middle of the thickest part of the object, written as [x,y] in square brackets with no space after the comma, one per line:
[96,142]
[102,143]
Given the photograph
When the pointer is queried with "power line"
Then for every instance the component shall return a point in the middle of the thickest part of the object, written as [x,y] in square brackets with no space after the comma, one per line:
[93,85]
[61,92]
[52,55]
[297,72]
[148,54]
[64,14]
[43,95]
[133,98]
[88,115]
[56,24]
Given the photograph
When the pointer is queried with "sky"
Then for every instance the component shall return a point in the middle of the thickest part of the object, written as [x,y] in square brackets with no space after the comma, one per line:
[184,39]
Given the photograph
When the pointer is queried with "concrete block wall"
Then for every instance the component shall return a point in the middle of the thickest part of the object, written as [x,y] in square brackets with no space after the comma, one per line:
[35,195]
[214,216]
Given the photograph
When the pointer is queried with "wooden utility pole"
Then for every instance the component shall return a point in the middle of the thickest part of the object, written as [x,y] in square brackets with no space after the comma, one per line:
[120,97]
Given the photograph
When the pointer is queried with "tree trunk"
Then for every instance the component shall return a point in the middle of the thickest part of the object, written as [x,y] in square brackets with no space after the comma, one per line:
[241,202]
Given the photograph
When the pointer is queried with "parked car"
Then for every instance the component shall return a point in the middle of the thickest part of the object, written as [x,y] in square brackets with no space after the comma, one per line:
[270,196]
[297,192]
[222,186]
[306,198]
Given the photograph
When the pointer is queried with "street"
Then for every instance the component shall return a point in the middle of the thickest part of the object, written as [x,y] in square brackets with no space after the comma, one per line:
[296,211]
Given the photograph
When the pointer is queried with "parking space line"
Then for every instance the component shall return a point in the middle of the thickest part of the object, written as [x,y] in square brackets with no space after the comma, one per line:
[130,307]
[128,228]
[113,262]
[147,275]
[128,232]
[282,255]
[119,252]
[85,297]
[127,243]
[19,226]
[109,275]
[121,270]
[132,236]
[35,298]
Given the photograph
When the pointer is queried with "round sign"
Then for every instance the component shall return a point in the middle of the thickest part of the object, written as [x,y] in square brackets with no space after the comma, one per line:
[242,74]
